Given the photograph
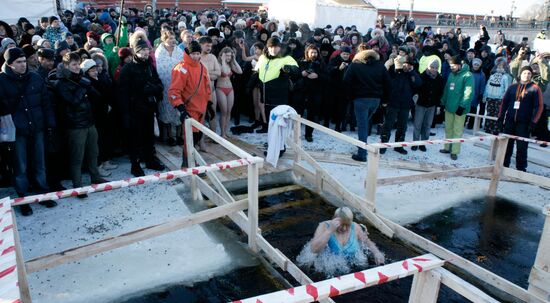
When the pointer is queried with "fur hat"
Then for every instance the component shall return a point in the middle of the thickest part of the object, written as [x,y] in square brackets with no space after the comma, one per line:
[366,56]
[28,50]
[46,53]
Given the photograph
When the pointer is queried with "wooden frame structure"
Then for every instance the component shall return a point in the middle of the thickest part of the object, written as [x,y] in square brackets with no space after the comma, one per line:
[316,175]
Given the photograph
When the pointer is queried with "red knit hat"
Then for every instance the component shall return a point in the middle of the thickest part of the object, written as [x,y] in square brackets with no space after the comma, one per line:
[93,35]
[124,52]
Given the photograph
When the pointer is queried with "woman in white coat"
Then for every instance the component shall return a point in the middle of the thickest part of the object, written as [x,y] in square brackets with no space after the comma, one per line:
[167,56]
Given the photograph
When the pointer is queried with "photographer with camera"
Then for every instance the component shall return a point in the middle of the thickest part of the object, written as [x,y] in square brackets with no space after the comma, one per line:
[139,91]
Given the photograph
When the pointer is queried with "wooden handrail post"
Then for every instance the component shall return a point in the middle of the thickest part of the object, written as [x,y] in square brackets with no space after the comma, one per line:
[21,269]
[501,152]
[253,182]
[190,151]
[539,278]
[425,287]
[297,139]
[373,159]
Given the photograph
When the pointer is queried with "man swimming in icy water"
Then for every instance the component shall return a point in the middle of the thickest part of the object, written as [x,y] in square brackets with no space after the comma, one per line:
[339,244]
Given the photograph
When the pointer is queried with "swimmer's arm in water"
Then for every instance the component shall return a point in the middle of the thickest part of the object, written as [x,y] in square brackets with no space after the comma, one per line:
[362,235]
[322,235]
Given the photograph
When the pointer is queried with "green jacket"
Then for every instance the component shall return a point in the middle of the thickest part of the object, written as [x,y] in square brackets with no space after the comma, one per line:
[459,90]
[111,50]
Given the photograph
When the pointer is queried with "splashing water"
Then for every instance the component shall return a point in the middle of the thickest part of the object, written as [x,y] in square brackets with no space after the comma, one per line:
[330,264]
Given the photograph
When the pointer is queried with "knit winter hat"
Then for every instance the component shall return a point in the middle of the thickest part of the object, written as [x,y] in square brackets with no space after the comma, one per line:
[87,64]
[527,67]
[92,35]
[28,50]
[61,46]
[5,42]
[273,42]
[213,32]
[35,39]
[345,49]
[28,26]
[64,35]
[40,42]
[476,61]
[182,24]
[52,19]
[194,47]
[238,34]
[13,54]
[140,45]
[124,52]
[46,53]
[434,64]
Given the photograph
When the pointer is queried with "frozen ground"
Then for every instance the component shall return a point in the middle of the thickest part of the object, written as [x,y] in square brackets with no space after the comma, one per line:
[407,203]
[184,256]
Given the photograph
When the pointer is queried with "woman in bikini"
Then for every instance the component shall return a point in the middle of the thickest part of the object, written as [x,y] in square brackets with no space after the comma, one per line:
[224,87]
[341,236]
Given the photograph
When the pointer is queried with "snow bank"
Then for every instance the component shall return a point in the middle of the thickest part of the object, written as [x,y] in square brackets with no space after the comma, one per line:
[184,256]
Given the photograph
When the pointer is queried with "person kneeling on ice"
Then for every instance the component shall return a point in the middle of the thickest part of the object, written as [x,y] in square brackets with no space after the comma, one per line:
[341,236]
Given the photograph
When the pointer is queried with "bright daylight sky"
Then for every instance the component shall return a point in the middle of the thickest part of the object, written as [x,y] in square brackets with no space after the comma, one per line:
[480,7]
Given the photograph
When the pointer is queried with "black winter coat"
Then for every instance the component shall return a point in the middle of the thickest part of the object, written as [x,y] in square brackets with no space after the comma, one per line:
[139,89]
[25,97]
[367,80]
[74,94]
[306,85]
[337,75]
[403,87]
[431,90]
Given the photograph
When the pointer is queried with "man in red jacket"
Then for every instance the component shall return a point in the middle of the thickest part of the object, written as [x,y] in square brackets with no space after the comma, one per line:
[190,90]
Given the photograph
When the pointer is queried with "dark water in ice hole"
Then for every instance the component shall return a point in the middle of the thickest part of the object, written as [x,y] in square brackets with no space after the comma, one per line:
[503,235]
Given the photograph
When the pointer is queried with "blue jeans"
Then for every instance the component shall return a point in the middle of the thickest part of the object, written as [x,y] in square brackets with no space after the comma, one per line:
[364,110]
[29,149]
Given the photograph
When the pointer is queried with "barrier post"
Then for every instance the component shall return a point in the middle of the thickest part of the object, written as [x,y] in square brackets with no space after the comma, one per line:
[539,278]
[253,182]
[493,150]
[190,149]
[297,139]
[497,171]
[425,287]
[21,270]
[373,159]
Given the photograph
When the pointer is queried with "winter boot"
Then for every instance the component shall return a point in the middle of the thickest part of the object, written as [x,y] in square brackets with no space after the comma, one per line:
[136,170]
[155,164]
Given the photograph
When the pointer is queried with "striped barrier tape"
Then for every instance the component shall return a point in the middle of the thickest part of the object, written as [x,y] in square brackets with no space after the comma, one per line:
[348,283]
[9,280]
[158,177]
[430,142]
[518,138]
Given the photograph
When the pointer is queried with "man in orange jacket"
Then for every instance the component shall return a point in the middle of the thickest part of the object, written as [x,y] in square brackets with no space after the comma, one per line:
[190,90]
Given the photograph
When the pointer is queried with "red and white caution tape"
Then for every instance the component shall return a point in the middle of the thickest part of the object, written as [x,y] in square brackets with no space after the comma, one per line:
[526,139]
[158,177]
[9,283]
[348,283]
[432,142]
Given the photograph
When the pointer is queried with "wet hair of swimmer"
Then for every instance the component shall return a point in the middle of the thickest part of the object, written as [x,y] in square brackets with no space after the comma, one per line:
[345,214]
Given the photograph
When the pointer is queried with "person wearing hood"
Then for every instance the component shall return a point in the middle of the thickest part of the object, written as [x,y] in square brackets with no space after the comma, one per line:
[404,82]
[5,45]
[429,54]
[429,98]
[274,71]
[520,111]
[139,91]
[53,32]
[28,33]
[23,95]
[32,58]
[105,18]
[487,60]
[369,83]
[190,90]
[110,51]
[457,97]
[479,90]
[75,93]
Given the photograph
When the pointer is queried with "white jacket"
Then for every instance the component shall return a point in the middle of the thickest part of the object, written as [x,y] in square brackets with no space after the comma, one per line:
[280,127]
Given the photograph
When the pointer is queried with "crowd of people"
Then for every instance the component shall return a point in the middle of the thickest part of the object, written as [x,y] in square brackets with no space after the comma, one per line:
[94,84]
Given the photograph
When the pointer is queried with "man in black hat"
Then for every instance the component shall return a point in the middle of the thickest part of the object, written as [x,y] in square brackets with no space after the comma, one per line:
[139,91]
[46,59]
[23,95]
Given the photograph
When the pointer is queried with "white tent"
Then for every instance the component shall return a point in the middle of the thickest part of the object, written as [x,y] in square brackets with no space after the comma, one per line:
[12,10]
[319,13]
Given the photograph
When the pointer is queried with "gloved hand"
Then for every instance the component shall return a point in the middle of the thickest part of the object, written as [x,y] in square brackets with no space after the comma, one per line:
[183,112]
[459,111]
[285,69]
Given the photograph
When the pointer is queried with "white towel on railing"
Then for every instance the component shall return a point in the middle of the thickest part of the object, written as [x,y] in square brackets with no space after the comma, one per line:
[280,127]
